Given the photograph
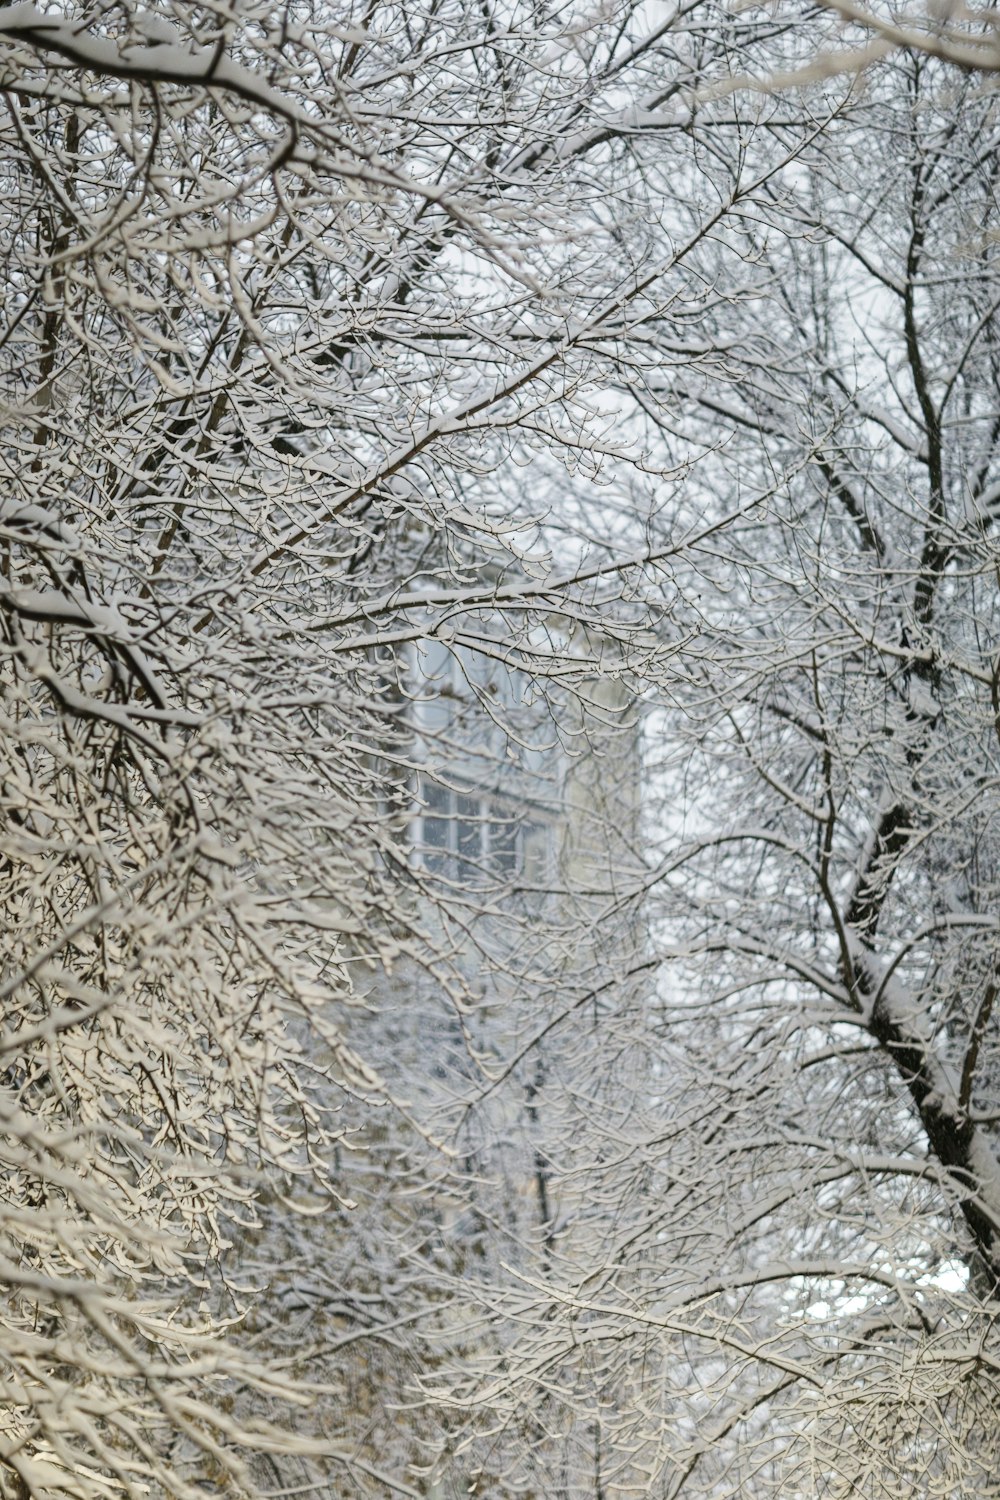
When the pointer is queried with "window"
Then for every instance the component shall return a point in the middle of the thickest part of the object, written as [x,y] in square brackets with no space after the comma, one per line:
[471,837]
[485,807]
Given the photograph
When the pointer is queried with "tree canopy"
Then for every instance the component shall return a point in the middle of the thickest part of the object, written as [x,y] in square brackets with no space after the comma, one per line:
[498,666]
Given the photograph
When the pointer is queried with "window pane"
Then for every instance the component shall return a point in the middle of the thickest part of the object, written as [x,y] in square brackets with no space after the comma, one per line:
[437,827]
[537,847]
[503,846]
[469,828]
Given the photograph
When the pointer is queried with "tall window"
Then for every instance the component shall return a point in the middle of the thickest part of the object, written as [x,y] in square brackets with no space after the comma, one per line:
[486,806]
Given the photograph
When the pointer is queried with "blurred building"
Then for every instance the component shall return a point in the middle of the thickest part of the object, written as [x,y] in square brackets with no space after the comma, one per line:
[517,816]
[528,784]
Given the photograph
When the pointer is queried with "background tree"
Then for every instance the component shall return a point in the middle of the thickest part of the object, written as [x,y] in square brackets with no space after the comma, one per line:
[789,1276]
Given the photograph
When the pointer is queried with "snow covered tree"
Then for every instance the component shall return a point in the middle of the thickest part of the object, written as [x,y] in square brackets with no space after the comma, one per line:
[360,360]
[783,1275]
[294,296]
